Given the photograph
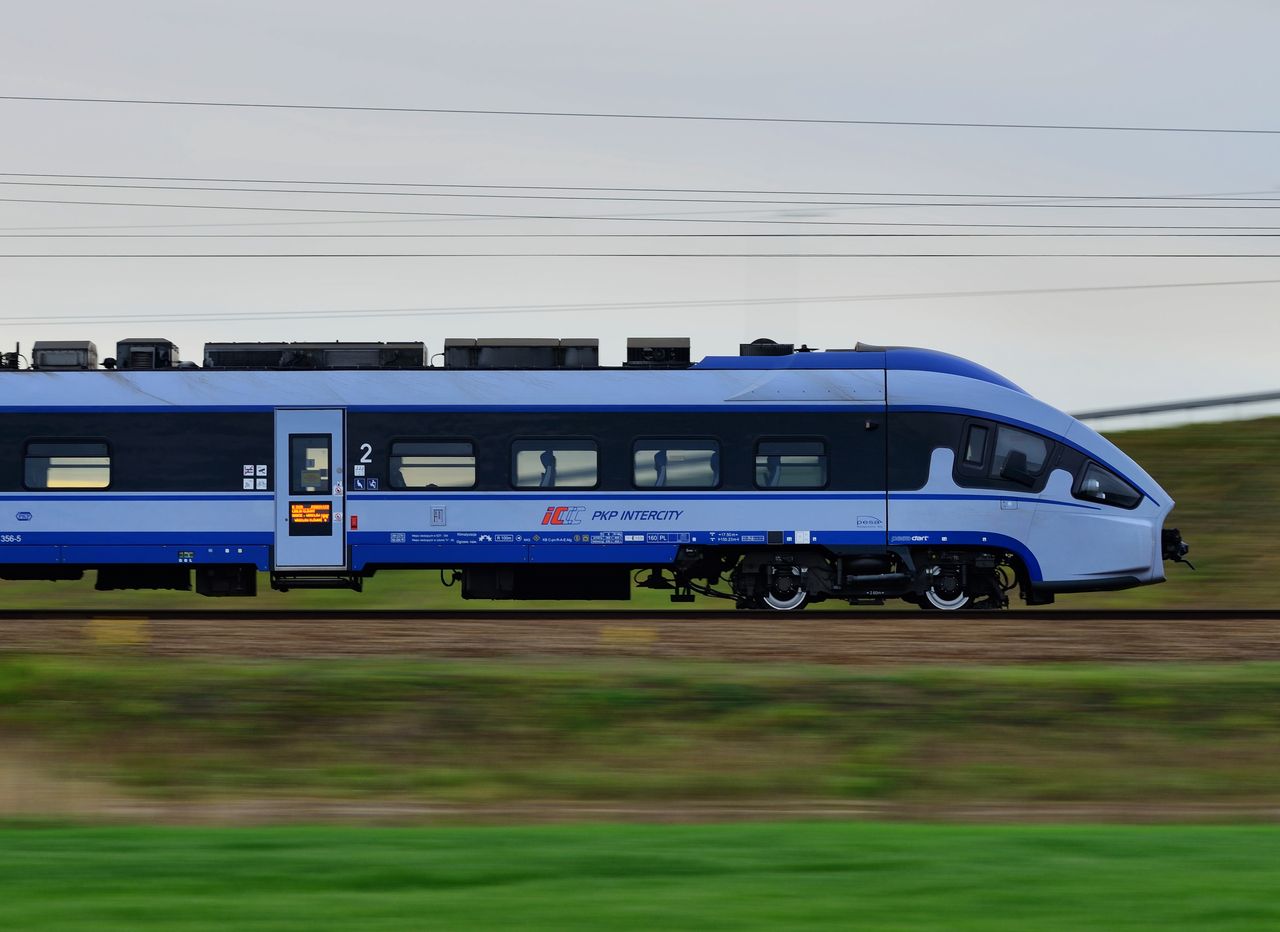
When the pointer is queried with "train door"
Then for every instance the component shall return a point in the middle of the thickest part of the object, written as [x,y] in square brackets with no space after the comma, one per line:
[871,433]
[310,489]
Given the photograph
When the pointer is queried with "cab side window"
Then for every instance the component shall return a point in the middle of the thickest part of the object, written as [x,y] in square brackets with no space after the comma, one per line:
[1002,457]
[1019,456]
[1098,484]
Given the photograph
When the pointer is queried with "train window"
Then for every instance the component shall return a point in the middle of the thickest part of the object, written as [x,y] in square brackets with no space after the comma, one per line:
[791,464]
[1019,456]
[67,464]
[975,448]
[554,464]
[677,464]
[1102,485]
[433,464]
[309,464]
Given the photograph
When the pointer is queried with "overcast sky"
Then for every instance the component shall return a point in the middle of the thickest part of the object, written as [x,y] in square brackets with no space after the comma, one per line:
[1169,63]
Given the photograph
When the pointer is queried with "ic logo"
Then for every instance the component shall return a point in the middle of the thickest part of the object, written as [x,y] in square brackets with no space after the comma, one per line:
[562,514]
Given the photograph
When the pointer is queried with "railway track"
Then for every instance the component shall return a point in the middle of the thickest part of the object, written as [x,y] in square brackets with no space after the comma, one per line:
[850,614]
[860,638]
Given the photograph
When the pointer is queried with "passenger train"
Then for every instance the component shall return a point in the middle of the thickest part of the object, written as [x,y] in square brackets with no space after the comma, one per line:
[520,469]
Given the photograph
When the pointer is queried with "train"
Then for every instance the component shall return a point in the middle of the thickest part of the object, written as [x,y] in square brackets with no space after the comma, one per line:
[523,470]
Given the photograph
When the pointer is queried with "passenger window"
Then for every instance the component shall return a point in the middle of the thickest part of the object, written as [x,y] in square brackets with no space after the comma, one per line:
[67,464]
[309,464]
[975,447]
[677,464]
[791,464]
[1102,485]
[1019,456]
[554,464]
[433,464]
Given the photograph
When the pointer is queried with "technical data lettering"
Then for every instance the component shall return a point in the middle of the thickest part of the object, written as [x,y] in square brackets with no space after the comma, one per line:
[310,519]
[638,515]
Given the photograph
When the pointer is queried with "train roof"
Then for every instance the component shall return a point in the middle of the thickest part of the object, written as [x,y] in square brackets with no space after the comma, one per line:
[866,357]
[816,379]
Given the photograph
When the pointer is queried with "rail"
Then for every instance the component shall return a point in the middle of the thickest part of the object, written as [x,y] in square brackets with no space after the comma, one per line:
[815,614]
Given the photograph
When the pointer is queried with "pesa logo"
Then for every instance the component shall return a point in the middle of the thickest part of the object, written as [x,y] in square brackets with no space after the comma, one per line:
[562,514]
[23,516]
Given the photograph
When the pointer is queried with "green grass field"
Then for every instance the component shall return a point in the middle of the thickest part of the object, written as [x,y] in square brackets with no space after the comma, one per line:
[1222,476]
[1227,488]
[478,733]
[612,877]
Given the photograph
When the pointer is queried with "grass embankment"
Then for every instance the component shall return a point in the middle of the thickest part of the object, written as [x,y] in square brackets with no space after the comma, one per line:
[741,877]
[1226,482]
[1223,476]
[483,732]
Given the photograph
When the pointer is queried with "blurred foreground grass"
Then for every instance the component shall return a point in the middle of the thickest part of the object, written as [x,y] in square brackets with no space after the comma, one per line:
[641,730]
[1223,477]
[741,877]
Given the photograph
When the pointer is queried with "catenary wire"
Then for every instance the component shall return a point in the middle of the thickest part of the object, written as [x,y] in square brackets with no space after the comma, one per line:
[1070,201]
[639,217]
[484,309]
[1235,205]
[617,115]
[500,216]
[1232,195]
[1020,235]
[666,215]
[644,255]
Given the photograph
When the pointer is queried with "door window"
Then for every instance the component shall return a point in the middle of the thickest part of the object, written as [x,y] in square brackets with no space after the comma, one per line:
[309,472]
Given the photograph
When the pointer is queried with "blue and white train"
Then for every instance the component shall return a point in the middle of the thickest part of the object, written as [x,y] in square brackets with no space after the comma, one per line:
[773,480]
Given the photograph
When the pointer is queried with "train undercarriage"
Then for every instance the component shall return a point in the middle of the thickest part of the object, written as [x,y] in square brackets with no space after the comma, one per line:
[775,579]
[787,580]
[779,579]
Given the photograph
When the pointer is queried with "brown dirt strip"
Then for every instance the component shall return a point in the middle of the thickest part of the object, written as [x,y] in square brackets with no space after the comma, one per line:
[873,641]
[287,811]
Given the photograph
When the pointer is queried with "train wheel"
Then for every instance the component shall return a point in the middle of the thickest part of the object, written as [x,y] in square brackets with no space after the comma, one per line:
[947,605]
[947,593]
[786,590]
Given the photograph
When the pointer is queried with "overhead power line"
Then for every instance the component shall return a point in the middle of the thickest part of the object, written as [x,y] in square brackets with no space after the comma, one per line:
[24,231]
[644,255]
[1236,204]
[693,304]
[510,216]
[639,218]
[617,115]
[1221,401]
[1229,196]
[1017,235]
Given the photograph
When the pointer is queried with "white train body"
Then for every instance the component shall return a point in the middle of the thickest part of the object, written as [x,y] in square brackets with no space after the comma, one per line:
[860,475]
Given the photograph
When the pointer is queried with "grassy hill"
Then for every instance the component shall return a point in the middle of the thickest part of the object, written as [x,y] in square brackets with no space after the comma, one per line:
[1224,477]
